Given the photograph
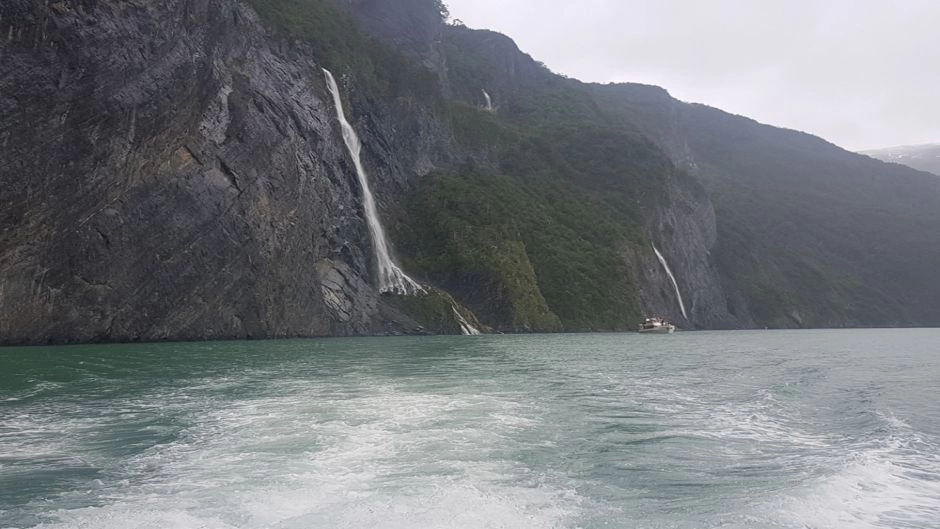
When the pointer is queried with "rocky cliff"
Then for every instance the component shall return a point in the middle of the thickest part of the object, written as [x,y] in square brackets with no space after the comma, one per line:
[173,170]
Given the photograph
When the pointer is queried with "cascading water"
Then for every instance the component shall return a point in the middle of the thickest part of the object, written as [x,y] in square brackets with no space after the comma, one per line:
[465,327]
[675,285]
[391,278]
[489,101]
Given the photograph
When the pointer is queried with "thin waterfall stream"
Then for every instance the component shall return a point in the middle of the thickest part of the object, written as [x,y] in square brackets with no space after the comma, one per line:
[675,285]
[391,278]
[489,101]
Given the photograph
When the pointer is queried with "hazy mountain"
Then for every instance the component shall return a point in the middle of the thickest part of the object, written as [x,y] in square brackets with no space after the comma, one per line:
[176,170]
[791,230]
[921,157]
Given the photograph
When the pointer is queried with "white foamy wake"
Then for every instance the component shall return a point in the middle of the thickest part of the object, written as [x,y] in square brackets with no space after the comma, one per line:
[889,480]
[336,457]
[890,483]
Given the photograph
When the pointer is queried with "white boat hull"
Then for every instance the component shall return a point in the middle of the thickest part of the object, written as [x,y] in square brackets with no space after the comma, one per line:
[665,329]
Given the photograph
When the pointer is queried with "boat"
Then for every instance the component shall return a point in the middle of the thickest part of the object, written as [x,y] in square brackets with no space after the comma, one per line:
[656,326]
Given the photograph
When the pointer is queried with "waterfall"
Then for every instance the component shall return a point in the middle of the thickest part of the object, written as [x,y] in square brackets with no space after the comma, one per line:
[489,101]
[675,285]
[391,278]
[465,327]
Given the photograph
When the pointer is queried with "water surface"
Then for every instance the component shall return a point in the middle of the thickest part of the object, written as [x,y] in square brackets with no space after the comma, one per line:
[823,429]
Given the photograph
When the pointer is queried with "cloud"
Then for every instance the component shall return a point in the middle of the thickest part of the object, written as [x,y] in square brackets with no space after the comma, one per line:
[860,73]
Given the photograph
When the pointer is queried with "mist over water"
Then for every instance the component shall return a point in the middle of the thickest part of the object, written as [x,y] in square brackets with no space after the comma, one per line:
[825,429]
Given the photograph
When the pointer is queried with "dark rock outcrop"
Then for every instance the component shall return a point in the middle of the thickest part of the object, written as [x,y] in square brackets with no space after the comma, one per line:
[172,171]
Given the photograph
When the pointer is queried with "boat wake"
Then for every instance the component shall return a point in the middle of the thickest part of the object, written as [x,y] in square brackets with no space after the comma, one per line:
[891,482]
[332,457]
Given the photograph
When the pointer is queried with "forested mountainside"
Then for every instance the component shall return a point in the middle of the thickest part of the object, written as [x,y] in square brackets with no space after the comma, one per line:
[920,157]
[176,170]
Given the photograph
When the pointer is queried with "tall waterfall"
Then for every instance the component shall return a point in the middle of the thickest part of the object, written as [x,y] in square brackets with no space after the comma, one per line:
[675,285]
[465,327]
[489,101]
[391,278]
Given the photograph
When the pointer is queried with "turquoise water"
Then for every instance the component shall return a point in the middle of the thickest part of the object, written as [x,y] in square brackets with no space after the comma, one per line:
[823,429]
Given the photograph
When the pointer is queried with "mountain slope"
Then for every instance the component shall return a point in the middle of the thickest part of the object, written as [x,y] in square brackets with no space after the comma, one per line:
[809,234]
[574,142]
[194,184]
[175,170]
[920,157]
[789,230]
[802,234]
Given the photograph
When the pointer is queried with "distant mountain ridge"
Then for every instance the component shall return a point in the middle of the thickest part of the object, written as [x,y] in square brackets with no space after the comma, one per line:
[920,157]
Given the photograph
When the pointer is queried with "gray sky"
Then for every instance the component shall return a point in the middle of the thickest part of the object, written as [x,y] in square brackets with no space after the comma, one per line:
[861,73]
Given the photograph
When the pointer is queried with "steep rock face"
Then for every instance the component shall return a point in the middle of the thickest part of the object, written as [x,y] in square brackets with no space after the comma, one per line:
[651,111]
[685,232]
[169,170]
[685,226]
[498,66]
[414,27]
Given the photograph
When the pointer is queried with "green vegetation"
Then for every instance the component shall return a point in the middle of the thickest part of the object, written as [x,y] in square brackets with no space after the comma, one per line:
[467,243]
[545,233]
[787,287]
[435,310]
[809,236]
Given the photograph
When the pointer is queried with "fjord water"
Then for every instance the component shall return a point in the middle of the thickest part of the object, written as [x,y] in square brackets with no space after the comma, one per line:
[823,429]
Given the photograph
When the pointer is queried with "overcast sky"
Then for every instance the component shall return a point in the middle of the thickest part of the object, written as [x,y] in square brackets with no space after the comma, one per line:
[861,73]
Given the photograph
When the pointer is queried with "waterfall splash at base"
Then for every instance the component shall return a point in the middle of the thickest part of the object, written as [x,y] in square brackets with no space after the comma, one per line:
[391,278]
[672,277]
[465,327]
